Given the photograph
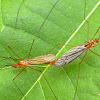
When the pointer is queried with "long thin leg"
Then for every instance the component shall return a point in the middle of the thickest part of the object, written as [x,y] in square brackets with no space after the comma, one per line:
[15,29]
[9,58]
[16,84]
[78,74]
[36,70]
[94,53]
[86,20]
[96,45]
[45,79]
[57,45]
[42,26]
[16,22]
[85,10]
[3,67]
[14,52]
[96,33]
[5,59]
[88,31]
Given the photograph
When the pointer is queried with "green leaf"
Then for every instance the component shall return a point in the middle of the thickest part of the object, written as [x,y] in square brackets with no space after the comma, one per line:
[59,27]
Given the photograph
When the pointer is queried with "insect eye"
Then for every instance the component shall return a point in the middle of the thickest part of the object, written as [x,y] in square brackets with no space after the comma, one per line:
[97,41]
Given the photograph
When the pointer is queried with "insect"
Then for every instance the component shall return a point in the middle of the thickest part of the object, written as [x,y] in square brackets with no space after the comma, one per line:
[75,52]
[32,61]
[72,54]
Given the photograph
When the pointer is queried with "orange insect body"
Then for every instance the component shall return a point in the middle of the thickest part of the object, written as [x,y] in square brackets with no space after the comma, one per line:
[90,43]
[22,63]
[43,59]
[51,63]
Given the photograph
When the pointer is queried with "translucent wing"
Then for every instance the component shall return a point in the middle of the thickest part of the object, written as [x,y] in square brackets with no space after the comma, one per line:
[70,56]
[41,59]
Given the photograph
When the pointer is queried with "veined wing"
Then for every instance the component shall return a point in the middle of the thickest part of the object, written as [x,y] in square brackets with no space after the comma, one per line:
[41,59]
[70,56]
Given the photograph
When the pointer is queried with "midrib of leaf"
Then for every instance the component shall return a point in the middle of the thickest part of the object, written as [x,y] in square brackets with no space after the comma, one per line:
[63,47]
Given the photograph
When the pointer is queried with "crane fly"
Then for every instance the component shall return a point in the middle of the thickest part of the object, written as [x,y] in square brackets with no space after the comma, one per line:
[47,58]
[30,61]
[75,52]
